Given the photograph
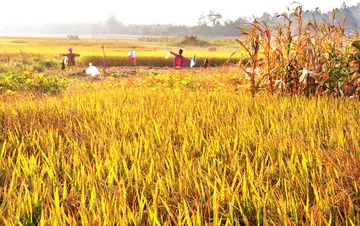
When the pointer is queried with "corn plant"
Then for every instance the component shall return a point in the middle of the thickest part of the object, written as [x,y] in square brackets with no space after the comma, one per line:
[314,59]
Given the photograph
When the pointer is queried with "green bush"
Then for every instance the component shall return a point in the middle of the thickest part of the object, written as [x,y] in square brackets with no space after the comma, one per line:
[48,64]
[193,41]
[38,83]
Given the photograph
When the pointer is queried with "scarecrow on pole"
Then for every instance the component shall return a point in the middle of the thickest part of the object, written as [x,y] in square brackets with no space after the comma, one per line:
[69,58]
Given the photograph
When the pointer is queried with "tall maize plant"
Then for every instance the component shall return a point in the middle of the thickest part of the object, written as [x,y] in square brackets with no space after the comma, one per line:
[316,58]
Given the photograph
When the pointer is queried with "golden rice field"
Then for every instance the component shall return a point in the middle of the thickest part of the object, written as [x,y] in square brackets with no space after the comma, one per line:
[117,154]
[116,51]
[168,147]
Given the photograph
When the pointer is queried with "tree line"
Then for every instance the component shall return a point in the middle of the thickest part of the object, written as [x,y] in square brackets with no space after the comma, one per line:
[209,24]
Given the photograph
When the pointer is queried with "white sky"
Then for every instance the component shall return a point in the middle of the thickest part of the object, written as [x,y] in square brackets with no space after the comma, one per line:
[181,12]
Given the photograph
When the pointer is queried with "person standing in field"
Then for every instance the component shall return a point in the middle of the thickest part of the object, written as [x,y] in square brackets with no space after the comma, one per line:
[179,60]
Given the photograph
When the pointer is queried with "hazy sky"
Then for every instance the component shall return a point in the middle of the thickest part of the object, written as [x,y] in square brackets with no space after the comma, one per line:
[144,11]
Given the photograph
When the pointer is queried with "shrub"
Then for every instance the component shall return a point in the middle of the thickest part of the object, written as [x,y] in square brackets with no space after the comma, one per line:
[212,49]
[193,41]
[29,82]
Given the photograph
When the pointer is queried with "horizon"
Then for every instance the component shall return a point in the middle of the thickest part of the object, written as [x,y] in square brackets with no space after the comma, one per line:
[36,16]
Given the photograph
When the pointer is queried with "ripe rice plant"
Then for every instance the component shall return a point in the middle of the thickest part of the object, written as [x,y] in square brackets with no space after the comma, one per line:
[122,153]
[156,60]
[149,58]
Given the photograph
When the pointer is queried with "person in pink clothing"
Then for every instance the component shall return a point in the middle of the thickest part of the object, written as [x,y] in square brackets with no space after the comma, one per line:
[179,60]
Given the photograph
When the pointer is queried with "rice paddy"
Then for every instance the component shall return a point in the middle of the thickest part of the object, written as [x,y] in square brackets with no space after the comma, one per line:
[153,145]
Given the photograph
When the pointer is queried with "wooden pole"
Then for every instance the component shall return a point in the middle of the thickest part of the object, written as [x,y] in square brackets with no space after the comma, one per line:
[23,59]
[104,61]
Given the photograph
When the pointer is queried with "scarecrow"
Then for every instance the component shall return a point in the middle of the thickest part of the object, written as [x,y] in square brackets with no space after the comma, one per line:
[69,58]
[180,61]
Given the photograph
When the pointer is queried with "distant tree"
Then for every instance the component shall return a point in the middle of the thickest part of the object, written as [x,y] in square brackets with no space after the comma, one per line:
[355,10]
[343,6]
[113,25]
[266,17]
[242,22]
[214,17]
[316,15]
[228,23]
[209,24]
[203,20]
[112,21]
[211,18]
[345,15]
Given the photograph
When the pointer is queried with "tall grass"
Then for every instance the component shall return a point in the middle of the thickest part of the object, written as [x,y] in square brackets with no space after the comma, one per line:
[149,156]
